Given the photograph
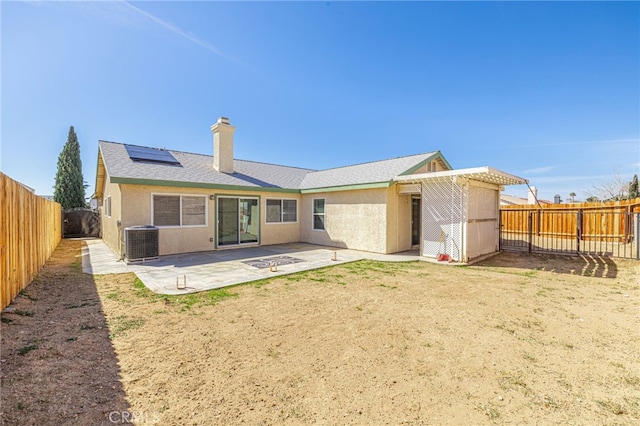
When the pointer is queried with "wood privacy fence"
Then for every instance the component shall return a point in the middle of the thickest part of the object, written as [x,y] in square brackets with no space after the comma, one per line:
[610,228]
[30,229]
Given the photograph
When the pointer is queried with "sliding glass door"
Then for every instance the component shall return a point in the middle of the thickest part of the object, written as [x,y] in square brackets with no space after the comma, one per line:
[238,221]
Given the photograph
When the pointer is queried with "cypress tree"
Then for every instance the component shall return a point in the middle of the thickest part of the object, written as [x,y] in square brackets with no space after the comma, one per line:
[69,186]
[633,188]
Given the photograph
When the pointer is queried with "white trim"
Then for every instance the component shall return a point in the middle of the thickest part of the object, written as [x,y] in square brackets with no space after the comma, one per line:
[324,214]
[483,174]
[107,206]
[171,194]
[282,221]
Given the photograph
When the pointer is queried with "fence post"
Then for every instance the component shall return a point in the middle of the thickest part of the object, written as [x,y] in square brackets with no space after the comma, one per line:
[637,235]
[578,231]
[530,229]
[499,230]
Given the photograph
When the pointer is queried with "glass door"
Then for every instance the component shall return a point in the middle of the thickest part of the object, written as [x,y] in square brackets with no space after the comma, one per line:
[238,221]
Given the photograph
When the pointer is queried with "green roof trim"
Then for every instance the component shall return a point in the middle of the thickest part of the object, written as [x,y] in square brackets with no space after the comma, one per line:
[348,187]
[436,155]
[171,183]
[153,182]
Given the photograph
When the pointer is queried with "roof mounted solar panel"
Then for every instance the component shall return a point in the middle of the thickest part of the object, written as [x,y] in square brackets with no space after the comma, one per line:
[152,155]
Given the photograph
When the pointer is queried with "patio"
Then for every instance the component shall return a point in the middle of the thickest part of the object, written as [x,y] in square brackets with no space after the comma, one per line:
[193,272]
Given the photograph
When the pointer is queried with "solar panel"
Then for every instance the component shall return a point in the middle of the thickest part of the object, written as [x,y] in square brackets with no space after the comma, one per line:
[154,155]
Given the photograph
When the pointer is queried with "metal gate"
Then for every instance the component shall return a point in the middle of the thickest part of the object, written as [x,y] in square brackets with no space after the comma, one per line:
[601,232]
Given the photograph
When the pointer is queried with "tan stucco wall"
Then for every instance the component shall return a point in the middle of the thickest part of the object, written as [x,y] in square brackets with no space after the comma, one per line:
[353,219]
[109,227]
[173,240]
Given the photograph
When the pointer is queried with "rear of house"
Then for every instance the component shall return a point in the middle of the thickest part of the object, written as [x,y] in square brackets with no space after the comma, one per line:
[202,202]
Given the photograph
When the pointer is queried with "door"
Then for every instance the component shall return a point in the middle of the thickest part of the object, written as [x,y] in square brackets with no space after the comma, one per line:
[238,221]
[415,221]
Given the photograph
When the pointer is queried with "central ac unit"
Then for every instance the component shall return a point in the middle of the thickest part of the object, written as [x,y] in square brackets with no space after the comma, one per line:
[141,243]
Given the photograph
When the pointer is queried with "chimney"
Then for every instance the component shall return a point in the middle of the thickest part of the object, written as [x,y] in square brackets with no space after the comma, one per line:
[532,195]
[223,145]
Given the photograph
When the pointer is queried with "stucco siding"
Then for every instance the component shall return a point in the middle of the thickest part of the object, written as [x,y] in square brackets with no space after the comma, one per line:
[353,219]
[174,240]
[109,224]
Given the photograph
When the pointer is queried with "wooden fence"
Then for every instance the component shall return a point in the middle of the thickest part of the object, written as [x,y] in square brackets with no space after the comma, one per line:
[610,227]
[30,230]
[596,221]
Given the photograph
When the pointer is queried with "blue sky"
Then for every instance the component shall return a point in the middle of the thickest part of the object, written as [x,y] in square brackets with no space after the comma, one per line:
[547,91]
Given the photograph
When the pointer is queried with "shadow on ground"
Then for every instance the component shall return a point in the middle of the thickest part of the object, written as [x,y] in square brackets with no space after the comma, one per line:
[58,364]
[585,265]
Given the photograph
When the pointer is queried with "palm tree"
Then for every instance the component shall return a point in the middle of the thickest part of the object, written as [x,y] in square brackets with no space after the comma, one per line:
[573,196]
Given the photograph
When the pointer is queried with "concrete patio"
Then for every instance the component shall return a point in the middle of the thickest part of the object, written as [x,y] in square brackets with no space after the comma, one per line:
[193,272]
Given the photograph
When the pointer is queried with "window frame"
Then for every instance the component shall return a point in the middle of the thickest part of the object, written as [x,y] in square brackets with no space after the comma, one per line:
[282,212]
[314,214]
[107,206]
[165,194]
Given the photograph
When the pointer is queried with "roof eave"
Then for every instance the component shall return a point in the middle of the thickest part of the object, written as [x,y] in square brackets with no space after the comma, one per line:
[207,185]
[483,174]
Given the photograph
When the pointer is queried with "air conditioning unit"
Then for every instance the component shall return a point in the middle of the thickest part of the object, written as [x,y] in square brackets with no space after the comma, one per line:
[141,243]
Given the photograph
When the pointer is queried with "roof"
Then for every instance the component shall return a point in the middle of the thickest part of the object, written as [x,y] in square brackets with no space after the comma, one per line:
[511,200]
[196,170]
[482,174]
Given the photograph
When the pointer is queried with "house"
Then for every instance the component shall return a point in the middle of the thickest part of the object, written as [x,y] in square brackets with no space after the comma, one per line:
[532,198]
[202,202]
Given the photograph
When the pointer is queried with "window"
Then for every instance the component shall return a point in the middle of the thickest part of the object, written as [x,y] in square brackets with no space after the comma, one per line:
[318,213]
[107,206]
[179,210]
[282,211]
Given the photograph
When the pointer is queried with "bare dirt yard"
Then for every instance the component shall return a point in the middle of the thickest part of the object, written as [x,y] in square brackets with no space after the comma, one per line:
[516,339]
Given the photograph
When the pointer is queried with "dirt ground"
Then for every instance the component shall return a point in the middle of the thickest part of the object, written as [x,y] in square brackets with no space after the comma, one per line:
[514,340]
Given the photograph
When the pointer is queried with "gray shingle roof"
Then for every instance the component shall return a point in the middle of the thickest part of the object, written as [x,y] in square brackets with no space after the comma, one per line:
[374,172]
[198,169]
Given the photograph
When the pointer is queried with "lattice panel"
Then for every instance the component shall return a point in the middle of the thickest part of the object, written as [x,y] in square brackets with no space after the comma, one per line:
[442,218]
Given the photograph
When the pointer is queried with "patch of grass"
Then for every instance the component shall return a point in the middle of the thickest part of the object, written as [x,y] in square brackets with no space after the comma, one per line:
[77,264]
[631,380]
[26,349]
[121,324]
[514,381]
[529,357]
[24,313]
[273,353]
[612,406]
[388,286]
[491,412]
[81,305]
[185,302]
[6,320]
[359,308]
[24,293]
[21,406]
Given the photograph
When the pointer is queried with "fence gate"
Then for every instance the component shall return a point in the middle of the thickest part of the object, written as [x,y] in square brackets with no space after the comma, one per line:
[81,223]
[607,232]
